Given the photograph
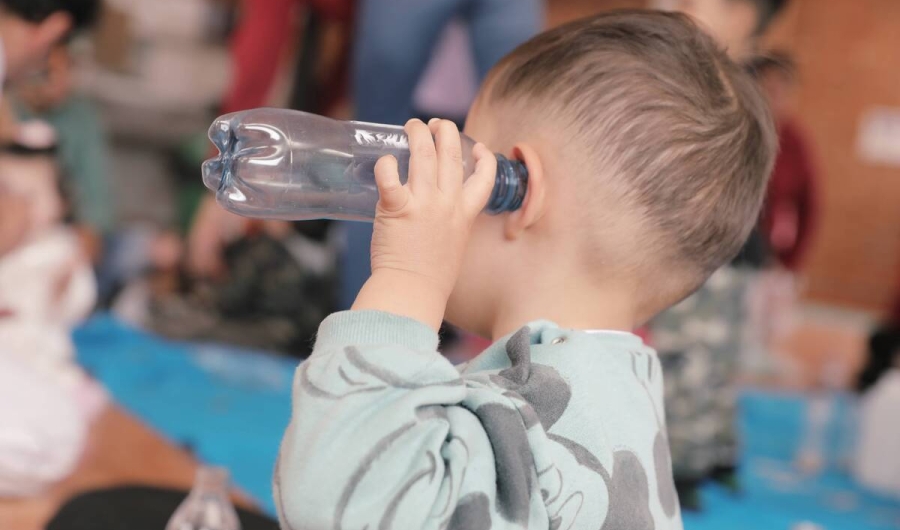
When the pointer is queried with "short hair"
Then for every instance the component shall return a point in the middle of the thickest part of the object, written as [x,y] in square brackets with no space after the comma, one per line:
[680,132]
[83,12]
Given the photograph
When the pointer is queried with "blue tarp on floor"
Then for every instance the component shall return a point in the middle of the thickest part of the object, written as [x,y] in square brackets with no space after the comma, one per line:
[231,407]
[228,406]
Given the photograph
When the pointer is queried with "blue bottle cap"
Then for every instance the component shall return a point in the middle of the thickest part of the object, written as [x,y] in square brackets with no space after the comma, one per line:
[510,186]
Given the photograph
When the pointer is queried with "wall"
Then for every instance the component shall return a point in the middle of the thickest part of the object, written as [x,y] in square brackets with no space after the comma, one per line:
[849,60]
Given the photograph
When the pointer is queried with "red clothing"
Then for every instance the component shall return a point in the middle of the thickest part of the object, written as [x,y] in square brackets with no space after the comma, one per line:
[265,33]
[895,313]
[791,213]
[256,50]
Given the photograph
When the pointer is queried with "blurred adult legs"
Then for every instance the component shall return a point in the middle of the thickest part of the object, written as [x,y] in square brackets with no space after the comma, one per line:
[497,27]
[395,41]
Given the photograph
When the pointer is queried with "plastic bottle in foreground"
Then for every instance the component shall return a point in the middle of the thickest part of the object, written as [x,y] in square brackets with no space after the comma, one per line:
[285,164]
[207,506]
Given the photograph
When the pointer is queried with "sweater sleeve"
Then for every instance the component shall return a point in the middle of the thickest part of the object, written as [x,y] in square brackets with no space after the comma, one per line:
[383,434]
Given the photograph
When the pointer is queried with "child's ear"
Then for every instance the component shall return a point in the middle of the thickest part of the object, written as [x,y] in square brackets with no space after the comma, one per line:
[53,29]
[532,208]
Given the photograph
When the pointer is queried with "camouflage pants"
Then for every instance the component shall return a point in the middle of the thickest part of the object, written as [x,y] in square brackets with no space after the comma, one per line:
[699,343]
[276,294]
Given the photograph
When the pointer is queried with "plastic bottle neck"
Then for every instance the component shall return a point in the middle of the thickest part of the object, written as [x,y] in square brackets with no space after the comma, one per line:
[211,481]
[510,186]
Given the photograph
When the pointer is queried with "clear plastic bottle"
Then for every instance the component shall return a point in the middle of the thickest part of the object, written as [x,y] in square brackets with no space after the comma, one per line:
[822,411]
[207,506]
[285,164]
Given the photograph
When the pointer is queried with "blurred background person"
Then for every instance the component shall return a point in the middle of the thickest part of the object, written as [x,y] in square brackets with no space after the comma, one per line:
[264,36]
[29,32]
[736,24]
[50,96]
[30,29]
[257,284]
[47,288]
[789,221]
[701,340]
[791,214]
[388,67]
[46,282]
[389,62]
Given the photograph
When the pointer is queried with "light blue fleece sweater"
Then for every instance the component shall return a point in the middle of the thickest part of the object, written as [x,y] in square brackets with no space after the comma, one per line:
[547,429]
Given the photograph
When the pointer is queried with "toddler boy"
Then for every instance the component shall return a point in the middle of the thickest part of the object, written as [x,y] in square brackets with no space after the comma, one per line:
[648,153]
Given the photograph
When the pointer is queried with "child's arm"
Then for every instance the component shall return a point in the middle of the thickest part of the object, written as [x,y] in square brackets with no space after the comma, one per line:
[379,436]
[421,229]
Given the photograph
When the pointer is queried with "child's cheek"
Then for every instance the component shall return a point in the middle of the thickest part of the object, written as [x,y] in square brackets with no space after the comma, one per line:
[47,211]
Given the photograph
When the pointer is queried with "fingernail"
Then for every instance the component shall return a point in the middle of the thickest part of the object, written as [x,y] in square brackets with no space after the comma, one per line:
[433,120]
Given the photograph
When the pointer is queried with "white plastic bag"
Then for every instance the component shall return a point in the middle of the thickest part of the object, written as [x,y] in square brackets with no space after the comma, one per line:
[877,463]
[42,429]
[46,289]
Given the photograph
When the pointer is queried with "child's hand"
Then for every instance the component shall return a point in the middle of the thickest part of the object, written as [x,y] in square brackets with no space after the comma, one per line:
[422,228]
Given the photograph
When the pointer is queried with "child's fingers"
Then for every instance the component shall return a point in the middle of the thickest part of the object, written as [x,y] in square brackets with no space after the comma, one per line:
[477,189]
[392,195]
[422,167]
[449,155]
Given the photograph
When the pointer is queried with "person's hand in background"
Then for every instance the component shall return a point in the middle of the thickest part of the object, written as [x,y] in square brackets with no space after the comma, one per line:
[51,88]
[213,229]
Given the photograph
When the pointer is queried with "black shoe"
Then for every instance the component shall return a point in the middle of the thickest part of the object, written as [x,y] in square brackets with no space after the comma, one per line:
[727,477]
[689,495]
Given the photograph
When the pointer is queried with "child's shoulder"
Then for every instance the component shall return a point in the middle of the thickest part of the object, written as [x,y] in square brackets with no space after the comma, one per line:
[598,398]
[574,354]
[606,377]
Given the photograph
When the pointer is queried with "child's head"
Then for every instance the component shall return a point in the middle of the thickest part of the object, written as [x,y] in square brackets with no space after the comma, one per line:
[33,174]
[648,153]
[736,24]
[29,29]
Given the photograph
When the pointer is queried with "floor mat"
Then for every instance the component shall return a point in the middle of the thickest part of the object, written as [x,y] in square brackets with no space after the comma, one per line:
[230,407]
